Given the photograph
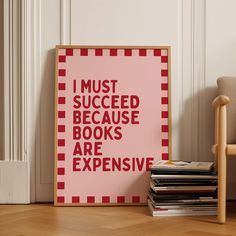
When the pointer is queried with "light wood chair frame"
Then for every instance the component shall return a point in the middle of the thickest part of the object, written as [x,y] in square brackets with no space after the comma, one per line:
[221,150]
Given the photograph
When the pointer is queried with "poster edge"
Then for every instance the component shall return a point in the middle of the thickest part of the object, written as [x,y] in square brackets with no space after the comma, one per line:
[168,48]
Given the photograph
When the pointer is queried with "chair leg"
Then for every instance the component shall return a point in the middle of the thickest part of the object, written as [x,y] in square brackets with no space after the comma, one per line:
[221,188]
[221,156]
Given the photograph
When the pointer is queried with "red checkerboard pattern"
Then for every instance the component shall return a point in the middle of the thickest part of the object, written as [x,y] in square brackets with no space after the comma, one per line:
[61,115]
[163,54]
[98,52]
[61,128]
[105,199]
[120,199]
[113,52]
[128,52]
[61,86]
[90,199]
[142,52]
[75,199]
[135,199]
[61,156]
[60,185]
[83,52]
[60,199]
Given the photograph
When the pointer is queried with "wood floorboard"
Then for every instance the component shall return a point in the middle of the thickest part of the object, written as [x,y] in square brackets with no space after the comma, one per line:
[47,220]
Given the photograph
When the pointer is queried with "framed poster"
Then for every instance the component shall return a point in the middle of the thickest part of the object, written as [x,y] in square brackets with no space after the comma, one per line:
[112,121]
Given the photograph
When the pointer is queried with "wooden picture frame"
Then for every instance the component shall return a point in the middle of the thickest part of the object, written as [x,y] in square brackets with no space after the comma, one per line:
[94,166]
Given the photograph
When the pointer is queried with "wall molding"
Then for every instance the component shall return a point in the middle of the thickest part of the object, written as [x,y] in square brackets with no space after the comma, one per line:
[16,73]
[65,23]
[199,90]
[1,81]
[58,32]
[7,12]
[14,182]
[16,159]
[192,85]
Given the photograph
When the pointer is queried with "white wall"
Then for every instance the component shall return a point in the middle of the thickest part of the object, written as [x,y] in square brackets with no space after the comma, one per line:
[202,40]
[96,22]
[191,28]
[14,169]
[220,61]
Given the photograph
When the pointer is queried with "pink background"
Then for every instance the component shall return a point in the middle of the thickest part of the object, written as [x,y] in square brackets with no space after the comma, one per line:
[136,75]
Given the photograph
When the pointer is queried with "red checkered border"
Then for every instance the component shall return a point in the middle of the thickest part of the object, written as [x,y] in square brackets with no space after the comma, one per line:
[103,199]
[61,114]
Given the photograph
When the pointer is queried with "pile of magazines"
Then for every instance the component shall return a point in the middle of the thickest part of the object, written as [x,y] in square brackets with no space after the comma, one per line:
[183,188]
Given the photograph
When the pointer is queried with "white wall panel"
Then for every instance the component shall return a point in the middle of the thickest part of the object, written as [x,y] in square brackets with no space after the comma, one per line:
[197,31]
[110,22]
[220,61]
[47,35]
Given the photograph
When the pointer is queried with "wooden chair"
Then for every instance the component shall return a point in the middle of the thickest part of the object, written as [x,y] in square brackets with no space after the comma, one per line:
[225,136]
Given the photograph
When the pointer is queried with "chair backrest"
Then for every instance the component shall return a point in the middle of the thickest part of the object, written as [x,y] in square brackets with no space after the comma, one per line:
[227,87]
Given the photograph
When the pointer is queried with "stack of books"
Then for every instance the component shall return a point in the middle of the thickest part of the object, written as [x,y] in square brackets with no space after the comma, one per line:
[183,188]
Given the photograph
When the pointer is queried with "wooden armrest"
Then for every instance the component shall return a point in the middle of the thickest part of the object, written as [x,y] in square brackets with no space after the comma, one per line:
[221,100]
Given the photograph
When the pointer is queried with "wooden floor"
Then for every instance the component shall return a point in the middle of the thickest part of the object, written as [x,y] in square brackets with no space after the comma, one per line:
[43,220]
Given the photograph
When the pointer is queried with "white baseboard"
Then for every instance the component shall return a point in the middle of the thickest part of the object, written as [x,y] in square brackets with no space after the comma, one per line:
[14,182]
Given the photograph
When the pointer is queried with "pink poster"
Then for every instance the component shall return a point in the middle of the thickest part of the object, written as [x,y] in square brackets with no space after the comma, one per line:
[112,122]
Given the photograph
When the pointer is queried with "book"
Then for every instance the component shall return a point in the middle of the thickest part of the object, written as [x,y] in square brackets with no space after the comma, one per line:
[182,172]
[182,177]
[185,182]
[180,196]
[196,202]
[181,211]
[171,165]
[182,188]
